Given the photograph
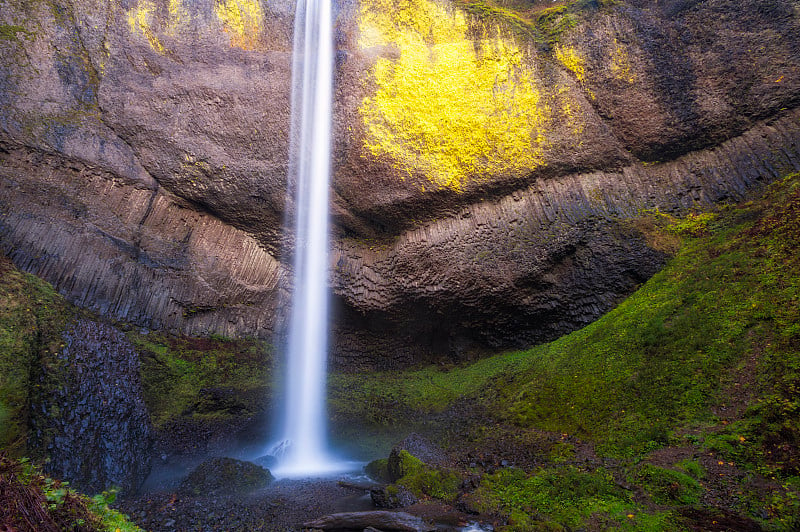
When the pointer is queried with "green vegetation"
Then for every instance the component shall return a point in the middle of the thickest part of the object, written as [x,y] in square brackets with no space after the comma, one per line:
[703,359]
[422,480]
[32,317]
[31,501]
[10,32]
[667,486]
[554,498]
[543,26]
[202,378]
[378,469]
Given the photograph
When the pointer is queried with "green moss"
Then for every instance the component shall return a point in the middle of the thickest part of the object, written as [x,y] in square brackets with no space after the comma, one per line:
[562,452]
[692,468]
[561,499]
[667,486]
[422,480]
[32,318]
[10,32]
[545,26]
[203,378]
[378,470]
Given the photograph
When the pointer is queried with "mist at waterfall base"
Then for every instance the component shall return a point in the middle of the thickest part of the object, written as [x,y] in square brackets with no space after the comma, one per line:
[302,449]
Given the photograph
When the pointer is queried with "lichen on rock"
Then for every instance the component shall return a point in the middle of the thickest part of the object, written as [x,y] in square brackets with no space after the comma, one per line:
[447,105]
[242,20]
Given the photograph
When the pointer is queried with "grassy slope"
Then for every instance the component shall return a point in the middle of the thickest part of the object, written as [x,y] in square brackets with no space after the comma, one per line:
[705,357]
[203,379]
[32,317]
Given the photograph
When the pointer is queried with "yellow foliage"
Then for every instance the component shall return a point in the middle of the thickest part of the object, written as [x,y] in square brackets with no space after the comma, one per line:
[450,108]
[242,20]
[570,111]
[570,59]
[141,19]
[178,16]
[621,66]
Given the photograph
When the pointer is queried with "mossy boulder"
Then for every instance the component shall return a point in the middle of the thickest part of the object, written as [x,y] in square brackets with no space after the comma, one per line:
[378,470]
[423,480]
[392,496]
[418,447]
[225,476]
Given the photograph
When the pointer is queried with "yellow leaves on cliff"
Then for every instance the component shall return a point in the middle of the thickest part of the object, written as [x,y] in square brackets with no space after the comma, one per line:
[141,20]
[448,105]
[571,60]
[178,16]
[242,20]
[385,22]
[621,66]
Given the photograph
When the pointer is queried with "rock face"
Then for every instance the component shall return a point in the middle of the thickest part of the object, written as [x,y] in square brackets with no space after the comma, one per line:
[484,167]
[91,419]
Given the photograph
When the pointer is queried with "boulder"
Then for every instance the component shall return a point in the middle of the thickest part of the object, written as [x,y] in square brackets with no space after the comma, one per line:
[421,448]
[392,497]
[225,476]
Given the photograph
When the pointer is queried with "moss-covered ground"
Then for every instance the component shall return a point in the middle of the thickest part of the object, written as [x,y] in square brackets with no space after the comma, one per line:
[203,379]
[32,317]
[677,409]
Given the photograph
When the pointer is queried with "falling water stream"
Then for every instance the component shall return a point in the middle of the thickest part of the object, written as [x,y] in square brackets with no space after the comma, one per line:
[303,448]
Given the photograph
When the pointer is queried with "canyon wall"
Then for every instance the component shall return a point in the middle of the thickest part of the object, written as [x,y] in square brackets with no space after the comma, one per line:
[487,160]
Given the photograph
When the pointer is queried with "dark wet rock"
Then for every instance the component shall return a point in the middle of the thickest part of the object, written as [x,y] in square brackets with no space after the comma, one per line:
[280,507]
[381,520]
[90,417]
[420,447]
[218,476]
[266,461]
[392,497]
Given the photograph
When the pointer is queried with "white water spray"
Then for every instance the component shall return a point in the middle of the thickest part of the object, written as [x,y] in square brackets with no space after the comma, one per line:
[303,448]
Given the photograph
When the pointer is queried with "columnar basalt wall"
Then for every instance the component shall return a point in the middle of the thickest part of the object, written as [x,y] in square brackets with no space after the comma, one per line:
[485,160]
[530,266]
[134,253]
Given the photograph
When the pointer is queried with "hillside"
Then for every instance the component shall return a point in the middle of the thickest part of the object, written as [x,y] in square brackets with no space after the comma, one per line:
[679,407]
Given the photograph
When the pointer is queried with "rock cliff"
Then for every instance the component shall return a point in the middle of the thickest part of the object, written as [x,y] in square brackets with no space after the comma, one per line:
[89,413]
[486,157]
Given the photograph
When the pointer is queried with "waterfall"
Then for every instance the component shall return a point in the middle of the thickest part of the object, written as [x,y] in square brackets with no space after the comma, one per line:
[303,447]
